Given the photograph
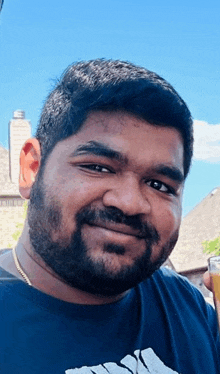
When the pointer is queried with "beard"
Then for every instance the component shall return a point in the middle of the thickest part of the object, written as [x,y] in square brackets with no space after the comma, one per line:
[70,259]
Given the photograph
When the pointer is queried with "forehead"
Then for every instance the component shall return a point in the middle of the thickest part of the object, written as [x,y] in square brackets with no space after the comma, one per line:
[125,133]
[120,123]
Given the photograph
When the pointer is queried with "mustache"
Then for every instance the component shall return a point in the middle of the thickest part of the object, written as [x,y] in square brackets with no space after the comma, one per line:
[96,216]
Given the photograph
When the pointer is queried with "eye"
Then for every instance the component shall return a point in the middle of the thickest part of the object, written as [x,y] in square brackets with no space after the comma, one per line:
[160,186]
[96,168]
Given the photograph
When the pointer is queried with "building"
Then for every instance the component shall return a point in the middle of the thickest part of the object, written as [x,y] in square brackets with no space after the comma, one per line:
[19,131]
[200,224]
[11,203]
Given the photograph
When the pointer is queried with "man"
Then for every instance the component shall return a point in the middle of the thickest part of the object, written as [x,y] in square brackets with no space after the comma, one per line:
[104,176]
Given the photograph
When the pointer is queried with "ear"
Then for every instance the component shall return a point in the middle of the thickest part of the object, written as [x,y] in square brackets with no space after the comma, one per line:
[30,157]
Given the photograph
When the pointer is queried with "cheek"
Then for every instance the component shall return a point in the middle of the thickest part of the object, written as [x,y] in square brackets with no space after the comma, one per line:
[167,225]
[81,193]
[75,196]
[168,222]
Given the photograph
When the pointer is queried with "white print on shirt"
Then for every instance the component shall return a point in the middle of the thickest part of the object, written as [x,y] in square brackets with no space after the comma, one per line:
[142,362]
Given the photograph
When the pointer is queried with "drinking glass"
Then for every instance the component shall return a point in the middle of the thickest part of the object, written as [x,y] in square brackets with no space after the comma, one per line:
[214,270]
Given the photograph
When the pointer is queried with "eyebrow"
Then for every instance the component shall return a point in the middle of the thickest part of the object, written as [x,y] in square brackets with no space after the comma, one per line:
[103,150]
[171,172]
[99,149]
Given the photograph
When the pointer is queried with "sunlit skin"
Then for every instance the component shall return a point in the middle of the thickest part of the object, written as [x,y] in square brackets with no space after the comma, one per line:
[115,160]
[79,178]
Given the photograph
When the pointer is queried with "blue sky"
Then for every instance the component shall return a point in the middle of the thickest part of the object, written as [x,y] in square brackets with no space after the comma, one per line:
[178,40]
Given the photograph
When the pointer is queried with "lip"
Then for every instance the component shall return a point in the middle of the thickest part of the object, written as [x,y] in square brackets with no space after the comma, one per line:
[119,228]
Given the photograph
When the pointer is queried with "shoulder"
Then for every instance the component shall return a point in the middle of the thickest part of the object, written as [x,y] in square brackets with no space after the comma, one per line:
[5,273]
[176,291]
[182,306]
[174,281]
[4,250]
[177,284]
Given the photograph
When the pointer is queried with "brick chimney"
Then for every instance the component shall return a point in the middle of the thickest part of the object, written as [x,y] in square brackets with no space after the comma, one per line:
[19,132]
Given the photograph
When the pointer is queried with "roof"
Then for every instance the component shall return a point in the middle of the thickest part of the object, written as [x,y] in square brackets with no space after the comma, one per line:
[200,224]
[7,188]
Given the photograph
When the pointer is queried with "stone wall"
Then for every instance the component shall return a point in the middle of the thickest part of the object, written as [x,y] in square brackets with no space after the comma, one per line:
[11,215]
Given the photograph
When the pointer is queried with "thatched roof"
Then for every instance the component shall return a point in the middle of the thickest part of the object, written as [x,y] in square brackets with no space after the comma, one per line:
[7,188]
[200,224]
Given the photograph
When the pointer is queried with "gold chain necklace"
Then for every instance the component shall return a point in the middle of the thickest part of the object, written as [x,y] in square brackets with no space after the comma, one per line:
[19,269]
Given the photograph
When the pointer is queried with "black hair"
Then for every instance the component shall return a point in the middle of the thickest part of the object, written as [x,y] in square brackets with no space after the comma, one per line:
[109,85]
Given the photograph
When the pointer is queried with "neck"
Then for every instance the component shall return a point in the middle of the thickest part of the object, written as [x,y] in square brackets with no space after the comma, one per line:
[44,279]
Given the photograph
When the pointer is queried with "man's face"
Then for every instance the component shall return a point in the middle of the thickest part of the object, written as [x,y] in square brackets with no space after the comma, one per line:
[106,212]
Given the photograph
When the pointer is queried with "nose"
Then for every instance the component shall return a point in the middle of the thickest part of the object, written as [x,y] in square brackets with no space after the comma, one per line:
[127,196]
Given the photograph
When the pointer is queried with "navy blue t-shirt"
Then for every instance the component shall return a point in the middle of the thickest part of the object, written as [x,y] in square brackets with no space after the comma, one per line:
[162,326]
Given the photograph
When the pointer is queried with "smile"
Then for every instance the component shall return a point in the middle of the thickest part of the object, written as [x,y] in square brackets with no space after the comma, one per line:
[119,229]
